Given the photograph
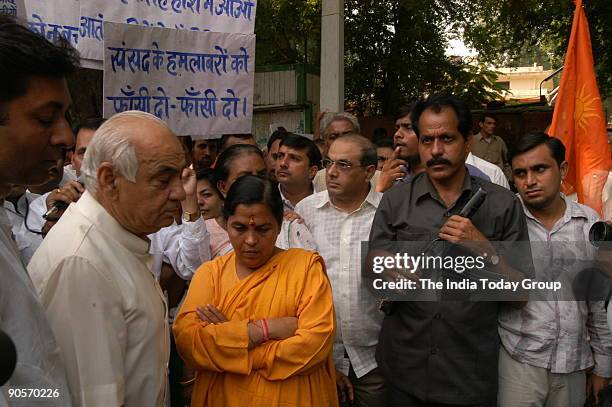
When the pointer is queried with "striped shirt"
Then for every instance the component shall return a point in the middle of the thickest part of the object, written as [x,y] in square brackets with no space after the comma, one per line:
[551,333]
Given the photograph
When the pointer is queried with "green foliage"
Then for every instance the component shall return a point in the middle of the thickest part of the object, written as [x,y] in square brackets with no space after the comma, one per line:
[505,31]
[395,49]
[395,53]
[288,31]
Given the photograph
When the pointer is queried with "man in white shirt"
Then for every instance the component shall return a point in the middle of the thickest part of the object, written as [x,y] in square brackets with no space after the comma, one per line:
[184,246]
[33,134]
[297,163]
[93,270]
[551,343]
[333,126]
[339,219]
[491,170]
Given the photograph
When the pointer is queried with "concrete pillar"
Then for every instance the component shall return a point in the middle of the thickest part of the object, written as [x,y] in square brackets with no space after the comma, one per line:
[332,56]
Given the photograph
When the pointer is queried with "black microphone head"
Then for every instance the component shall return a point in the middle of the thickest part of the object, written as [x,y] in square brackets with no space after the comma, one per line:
[8,357]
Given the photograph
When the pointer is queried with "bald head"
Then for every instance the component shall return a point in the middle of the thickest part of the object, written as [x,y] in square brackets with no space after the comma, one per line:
[367,149]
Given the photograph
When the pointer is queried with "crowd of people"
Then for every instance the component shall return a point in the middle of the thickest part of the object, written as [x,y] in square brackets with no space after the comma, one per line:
[142,268]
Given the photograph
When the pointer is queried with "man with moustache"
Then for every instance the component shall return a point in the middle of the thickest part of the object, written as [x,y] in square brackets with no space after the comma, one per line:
[93,270]
[405,162]
[34,133]
[204,153]
[443,352]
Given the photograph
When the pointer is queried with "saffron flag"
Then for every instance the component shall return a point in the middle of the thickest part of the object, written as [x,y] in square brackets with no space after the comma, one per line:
[578,119]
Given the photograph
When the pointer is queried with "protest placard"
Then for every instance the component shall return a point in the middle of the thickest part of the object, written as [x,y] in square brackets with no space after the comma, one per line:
[54,18]
[230,16]
[198,82]
[13,8]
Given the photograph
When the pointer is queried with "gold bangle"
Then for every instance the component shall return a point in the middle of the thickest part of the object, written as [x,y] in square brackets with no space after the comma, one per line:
[188,382]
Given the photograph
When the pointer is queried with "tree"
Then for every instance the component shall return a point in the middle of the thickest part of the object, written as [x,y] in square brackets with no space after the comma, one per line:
[503,30]
[395,53]
[288,32]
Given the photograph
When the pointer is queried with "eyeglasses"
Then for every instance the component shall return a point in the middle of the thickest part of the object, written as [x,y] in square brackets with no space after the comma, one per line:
[342,165]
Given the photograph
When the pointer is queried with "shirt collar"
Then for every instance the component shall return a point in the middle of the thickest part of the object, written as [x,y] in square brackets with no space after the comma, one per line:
[89,207]
[423,185]
[286,203]
[572,210]
[486,139]
[372,198]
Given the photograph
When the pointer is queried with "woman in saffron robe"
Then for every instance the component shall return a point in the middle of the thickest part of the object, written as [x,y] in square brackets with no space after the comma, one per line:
[257,325]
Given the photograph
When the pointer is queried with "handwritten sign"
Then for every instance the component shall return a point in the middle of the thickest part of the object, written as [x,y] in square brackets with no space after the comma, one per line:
[54,18]
[198,82]
[13,8]
[229,16]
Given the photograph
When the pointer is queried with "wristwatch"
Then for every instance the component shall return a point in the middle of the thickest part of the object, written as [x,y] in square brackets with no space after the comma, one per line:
[190,217]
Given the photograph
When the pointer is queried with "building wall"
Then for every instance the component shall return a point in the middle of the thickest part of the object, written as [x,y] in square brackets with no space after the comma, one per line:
[525,81]
[275,88]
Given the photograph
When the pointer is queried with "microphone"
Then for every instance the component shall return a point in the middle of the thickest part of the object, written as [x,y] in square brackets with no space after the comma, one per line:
[467,211]
[60,205]
[8,357]
[473,204]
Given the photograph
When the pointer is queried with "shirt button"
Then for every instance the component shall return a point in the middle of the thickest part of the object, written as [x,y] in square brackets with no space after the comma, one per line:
[434,351]
[438,316]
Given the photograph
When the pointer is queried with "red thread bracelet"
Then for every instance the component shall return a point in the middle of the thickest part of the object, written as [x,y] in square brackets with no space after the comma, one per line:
[266,330]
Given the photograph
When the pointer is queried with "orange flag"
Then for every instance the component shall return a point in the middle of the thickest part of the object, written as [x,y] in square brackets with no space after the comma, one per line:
[578,118]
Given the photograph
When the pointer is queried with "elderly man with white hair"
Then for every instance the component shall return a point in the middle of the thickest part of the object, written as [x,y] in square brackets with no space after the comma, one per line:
[92,271]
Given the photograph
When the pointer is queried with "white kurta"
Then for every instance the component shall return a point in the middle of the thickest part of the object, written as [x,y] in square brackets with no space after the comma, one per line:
[105,307]
[39,364]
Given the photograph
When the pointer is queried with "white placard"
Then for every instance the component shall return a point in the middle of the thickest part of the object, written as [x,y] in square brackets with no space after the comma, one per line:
[228,16]
[54,18]
[198,82]
[13,8]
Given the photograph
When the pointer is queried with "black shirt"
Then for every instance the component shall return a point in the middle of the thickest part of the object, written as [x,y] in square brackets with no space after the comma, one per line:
[443,351]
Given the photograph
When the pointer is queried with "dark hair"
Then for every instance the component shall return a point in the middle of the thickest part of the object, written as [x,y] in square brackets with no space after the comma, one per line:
[404,111]
[225,159]
[437,103]
[25,54]
[276,135]
[534,139]
[485,115]
[384,143]
[91,123]
[226,137]
[186,142]
[249,190]
[303,143]
[208,174]
[379,133]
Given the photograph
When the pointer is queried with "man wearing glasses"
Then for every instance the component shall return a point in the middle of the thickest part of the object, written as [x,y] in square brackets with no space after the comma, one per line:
[339,219]
[334,126]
